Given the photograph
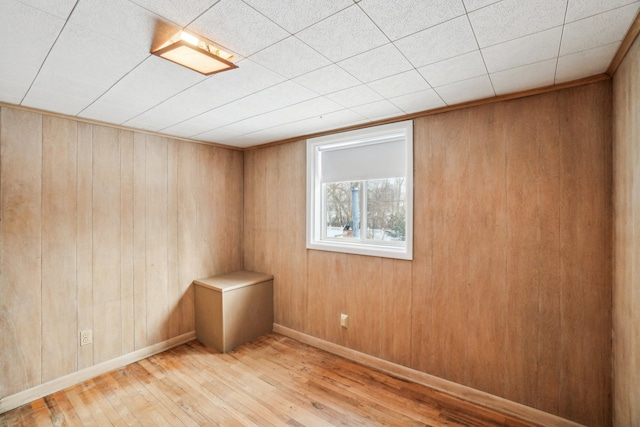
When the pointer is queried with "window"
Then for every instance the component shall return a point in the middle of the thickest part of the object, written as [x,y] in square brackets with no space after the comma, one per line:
[360,191]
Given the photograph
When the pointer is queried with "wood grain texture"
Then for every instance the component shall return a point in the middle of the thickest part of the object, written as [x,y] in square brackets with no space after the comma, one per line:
[585,253]
[547,269]
[173,261]
[20,241]
[273,381]
[84,272]
[111,216]
[107,320]
[59,288]
[510,207]
[139,240]
[187,235]
[126,241]
[488,249]
[626,251]
[156,240]
[292,280]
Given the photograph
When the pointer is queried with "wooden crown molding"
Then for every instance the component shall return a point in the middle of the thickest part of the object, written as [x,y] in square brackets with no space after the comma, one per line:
[626,44]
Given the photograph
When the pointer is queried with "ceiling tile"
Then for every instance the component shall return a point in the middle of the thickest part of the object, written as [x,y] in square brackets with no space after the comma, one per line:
[510,19]
[12,92]
[275,98]
[110,113]
[287,93]
[530,76]
[152,82]
[78,71]
[236,26]
[418,101]
[120,20]
[290,57]
[153,122]
[328,121]
[354,96]
[188,128]
[343,35]
[249,76]
[304,110]
[336,119]
[196,100]
[241,109]
[295,15]
[400,84]
[216,135]
[57,101]
[466,90]
[400,18]
[585,63]
[250,125]
[376,64]
[579,9]
[451,70]
[328,79]
[443,41]
[377,110]
[598,30]
[472,5]
[23,26]
[182,12]
[522,51]
[59,8]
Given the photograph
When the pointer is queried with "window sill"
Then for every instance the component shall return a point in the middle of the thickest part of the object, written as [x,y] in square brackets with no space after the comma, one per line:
[377,250]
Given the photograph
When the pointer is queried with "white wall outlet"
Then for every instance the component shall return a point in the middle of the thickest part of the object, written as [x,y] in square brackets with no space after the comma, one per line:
[86,337]
[344,320]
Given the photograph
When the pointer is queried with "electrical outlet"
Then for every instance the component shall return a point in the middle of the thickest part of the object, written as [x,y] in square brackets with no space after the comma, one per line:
[86,337]
[344,320]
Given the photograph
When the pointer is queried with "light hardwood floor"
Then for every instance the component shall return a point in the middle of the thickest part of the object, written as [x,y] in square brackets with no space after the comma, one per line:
[273,381]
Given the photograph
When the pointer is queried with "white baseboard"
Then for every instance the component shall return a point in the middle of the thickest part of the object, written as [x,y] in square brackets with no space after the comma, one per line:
[480,398]
[15,400]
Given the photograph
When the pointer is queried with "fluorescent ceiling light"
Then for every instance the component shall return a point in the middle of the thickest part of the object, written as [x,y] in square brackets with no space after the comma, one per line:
[191,52]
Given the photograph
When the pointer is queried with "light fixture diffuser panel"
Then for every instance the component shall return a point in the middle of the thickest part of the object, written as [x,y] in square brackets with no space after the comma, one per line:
[194,58]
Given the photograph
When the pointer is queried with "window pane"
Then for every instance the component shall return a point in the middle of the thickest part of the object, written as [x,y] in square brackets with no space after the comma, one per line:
[339,208]
[386,209]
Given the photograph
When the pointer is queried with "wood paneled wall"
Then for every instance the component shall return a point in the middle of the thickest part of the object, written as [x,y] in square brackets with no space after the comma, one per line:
[104,229]
[509,291]
[626,289]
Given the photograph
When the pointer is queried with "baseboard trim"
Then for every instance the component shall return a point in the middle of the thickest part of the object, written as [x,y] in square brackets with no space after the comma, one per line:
[507,407]
[15,400]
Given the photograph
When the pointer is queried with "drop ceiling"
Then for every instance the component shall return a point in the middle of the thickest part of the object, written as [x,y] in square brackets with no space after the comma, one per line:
[305,66]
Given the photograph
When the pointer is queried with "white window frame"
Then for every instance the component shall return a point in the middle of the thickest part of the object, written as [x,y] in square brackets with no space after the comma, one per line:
[316,227]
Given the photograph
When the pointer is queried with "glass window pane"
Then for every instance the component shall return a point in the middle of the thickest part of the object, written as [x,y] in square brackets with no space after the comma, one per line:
[386,209]
[338,197]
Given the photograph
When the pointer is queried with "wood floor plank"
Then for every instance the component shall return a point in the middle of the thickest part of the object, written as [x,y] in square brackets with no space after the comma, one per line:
[235,397]
[64,405]
[272,381]
[83,410]
[385,404]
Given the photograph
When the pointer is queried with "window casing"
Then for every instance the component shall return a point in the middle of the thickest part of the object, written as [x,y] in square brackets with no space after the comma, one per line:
[360,191]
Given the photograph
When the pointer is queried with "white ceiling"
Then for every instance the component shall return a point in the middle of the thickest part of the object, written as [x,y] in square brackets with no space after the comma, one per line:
[305,66]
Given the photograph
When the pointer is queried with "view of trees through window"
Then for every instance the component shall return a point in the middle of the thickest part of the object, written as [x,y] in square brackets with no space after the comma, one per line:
[381,203]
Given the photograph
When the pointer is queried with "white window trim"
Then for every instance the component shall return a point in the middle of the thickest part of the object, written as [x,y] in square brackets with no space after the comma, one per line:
[315,220]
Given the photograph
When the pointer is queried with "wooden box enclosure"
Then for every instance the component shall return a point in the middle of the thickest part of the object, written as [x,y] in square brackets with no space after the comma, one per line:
[233,308]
